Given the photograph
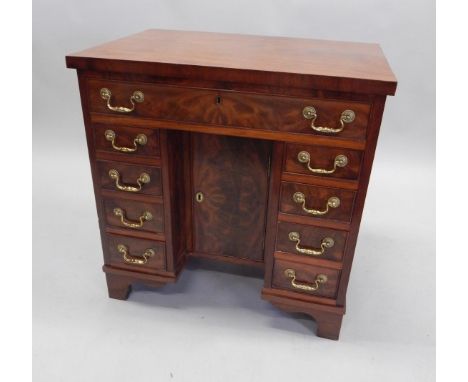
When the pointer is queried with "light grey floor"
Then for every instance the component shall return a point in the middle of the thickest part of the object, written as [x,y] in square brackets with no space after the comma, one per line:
[212,325]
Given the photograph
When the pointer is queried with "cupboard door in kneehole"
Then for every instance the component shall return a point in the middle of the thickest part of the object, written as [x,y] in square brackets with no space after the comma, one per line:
[230,193]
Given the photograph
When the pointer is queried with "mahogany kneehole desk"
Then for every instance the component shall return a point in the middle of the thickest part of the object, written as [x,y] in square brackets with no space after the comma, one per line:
[246,149]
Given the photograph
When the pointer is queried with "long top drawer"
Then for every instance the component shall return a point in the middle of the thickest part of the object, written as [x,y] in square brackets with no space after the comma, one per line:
[343,119]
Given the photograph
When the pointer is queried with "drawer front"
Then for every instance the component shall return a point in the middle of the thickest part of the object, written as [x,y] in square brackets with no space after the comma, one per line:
[322,161]
[310,241]
[230,108]
[134,215]
[128,141]
[305,278]
[317,202]
[131,179]
[135,254]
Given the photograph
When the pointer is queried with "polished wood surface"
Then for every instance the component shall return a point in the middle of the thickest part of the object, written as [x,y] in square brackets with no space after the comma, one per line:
[176,213]
[223,116]
[129,175]
[322,158]
[306,275]
[136,247]
[229,108]
[132,211]
[309,137]
[125,136]
[340,65]
[232,175]
[311,237]
[327,316]
[316,198]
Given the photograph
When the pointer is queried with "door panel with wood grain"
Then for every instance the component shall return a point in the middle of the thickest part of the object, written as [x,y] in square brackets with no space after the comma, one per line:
[230,176]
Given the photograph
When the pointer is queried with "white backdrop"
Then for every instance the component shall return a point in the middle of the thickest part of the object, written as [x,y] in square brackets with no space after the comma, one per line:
[212,325]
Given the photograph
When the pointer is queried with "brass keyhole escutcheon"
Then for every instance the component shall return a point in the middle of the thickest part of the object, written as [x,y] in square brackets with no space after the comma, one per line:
[218,100]
[199,197]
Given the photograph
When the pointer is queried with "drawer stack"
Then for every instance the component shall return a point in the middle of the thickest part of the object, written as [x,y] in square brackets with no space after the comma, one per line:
[129,175]
[318,188]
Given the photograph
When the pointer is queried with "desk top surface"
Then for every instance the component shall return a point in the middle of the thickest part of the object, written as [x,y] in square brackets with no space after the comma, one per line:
[294,56]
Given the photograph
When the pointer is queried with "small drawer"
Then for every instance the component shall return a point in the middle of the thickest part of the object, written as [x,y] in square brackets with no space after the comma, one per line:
[322,161]
[342,118]
[310,241]
[131,179]
[134,215]
[329,118]
[128,141]
[305,278]
[317,202]
[135,254]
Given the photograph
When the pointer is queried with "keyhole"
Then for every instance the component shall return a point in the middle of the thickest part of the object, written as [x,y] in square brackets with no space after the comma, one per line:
[199,197]
[218,100]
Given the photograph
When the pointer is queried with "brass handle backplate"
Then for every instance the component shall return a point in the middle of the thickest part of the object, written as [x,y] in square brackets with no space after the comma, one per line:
[327,242]
[332,202]
[320,279]
[340,161]
[137,96]
[139,260]
[146,216]
[140,139]
[142,179]
[347,116]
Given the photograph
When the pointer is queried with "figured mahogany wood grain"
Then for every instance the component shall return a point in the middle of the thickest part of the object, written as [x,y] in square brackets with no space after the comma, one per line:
[124,138]
[316,198]
[305,274]
[343,66]
[232,174]
[230,108]
[235,131]
[128,176]
[322,158]
[132,211]
[136,247]
[310,237]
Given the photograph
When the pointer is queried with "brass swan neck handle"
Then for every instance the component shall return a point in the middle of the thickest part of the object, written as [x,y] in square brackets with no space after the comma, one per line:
[327,242]
[146,216]
[347,116]
[137,96]
[144,178]
[319,280]
[140,139]
[131,259]
[332,202]
[340,161]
